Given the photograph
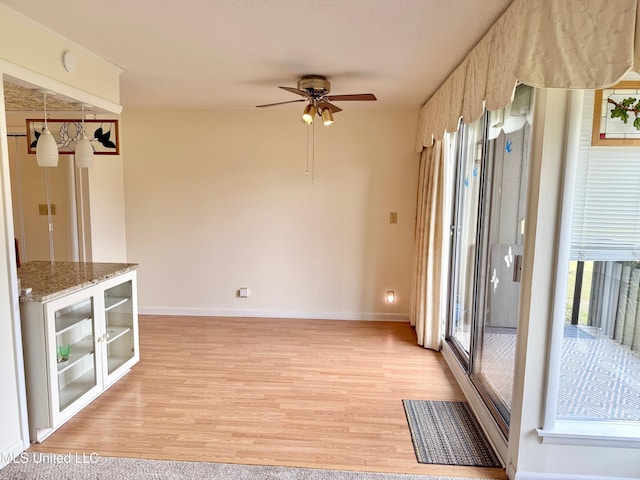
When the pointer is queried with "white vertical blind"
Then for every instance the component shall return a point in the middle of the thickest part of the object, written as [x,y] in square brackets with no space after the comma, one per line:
[606,218]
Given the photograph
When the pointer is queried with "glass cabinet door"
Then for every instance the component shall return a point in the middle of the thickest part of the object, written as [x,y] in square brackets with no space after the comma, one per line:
[119,328]
[75,338]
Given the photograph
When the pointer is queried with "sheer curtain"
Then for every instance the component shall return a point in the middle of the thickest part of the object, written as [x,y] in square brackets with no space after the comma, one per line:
[427,275]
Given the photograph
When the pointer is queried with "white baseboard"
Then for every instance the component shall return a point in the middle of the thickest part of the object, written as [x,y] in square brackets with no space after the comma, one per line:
[562,476]
[232,312]
[10,454]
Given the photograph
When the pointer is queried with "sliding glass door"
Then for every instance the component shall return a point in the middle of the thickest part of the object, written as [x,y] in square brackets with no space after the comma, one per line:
[502,248]
[487,243]
[465,236]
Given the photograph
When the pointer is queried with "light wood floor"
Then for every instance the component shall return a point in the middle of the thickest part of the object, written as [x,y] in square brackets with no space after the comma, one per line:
[310,393]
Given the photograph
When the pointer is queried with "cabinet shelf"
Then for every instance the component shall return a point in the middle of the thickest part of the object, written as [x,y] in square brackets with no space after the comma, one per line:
[69,320]
[113,302]
[77,388]
[115,332]
[117,361]
[79,350]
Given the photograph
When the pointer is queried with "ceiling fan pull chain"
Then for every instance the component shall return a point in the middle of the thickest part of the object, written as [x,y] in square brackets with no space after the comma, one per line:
[307,172]
[313,152]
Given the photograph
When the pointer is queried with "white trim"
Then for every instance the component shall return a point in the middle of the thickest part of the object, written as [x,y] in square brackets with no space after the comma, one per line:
[13,281]
[596,434]
[488,424]
[561,476]
[237,312]
[48,83]
[76,47]
[576,100]
[10,454]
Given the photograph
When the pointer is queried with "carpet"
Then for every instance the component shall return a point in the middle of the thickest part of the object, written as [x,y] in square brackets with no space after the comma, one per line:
[46,466]
[447,433]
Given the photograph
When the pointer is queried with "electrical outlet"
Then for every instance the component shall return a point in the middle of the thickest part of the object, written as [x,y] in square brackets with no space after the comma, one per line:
[393,217]
[243,292]
[43,210]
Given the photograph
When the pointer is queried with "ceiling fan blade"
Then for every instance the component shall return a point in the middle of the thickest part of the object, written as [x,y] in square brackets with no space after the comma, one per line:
[279,103]
[330,106]
[295,90]
[352,97]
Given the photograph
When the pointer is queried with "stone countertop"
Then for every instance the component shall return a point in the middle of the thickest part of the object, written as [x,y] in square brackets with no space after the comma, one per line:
[49,280]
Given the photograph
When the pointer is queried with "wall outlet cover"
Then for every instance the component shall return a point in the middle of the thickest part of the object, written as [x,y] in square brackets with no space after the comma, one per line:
[43,210]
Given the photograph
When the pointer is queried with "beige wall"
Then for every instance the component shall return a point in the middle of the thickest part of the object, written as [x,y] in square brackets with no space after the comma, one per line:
[106,209]
[218,200]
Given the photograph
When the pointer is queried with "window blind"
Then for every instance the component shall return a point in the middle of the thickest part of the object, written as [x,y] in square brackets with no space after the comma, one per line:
[606,215]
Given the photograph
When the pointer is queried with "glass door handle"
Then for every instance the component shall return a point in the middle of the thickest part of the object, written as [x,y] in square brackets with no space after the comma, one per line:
[517,268]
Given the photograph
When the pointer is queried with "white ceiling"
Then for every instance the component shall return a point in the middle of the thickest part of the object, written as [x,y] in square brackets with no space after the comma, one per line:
[234,53]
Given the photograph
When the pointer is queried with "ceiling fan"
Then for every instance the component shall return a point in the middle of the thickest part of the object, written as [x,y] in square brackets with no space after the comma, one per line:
[315,90]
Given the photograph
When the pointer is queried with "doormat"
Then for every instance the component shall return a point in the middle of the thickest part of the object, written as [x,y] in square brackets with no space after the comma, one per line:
[447,433]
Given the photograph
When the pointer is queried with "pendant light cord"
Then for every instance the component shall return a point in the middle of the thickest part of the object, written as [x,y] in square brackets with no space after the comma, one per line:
[46,179]
[45,110]
[49,217]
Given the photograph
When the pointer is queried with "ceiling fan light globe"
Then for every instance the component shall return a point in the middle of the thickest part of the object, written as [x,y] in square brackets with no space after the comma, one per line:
[309,113]
[84,153]
[327,117]
[46,150]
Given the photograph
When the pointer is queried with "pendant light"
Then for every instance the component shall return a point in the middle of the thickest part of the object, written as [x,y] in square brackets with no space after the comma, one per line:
[46,148]
[84,149]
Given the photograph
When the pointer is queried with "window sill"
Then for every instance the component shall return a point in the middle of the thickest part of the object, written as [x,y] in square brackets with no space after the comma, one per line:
[597,434]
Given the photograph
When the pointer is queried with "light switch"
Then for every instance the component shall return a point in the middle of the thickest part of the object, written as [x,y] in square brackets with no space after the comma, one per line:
[43,210]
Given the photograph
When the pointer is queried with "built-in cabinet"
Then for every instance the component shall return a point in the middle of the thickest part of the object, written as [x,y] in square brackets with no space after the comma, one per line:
[76,346]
